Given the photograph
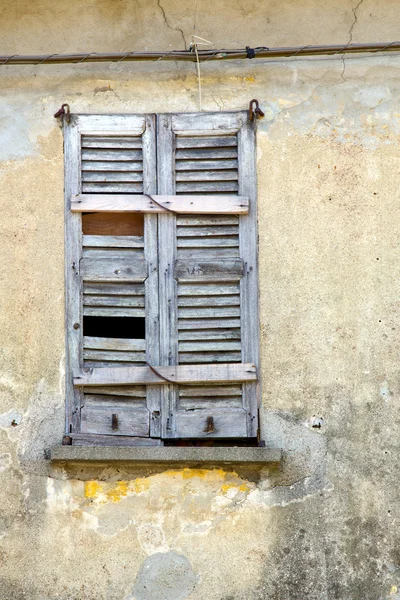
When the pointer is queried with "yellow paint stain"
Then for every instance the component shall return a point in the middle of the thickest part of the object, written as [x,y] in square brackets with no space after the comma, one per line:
[92,489]
[119,491]
[233,486]
[138,486]
[250,79]
[394,589]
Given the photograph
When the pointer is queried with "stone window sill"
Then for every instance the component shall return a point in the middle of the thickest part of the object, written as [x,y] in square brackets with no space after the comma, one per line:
[167,455]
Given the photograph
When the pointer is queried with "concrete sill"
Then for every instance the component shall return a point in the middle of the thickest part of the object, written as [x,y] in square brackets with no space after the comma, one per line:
[167,455]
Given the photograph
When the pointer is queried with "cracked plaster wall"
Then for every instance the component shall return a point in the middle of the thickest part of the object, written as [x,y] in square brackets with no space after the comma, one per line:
[325,526]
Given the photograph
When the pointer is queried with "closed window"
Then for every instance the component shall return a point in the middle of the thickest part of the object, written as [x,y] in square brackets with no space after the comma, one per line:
[161,266]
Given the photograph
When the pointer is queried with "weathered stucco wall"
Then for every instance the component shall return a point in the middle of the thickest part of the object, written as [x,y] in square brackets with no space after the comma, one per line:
[326,525]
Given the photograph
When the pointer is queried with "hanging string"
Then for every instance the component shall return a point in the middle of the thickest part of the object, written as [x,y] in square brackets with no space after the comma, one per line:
[194,46]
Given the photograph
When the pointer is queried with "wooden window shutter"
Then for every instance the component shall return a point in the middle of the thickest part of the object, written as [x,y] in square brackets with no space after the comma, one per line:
[111,276]
[208,274]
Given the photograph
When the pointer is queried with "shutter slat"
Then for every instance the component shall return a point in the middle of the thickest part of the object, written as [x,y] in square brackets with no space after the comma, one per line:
[206,165]
[205,153]
[205,142]
[100,166]
[211,334]
[112,155]
[133,301]
[114,356]
[207,175]
[111,142]
[206,186]
[98,311]
[91,343]
[113,289]
[112,188]
[112,177]
[199,324]
[113,241]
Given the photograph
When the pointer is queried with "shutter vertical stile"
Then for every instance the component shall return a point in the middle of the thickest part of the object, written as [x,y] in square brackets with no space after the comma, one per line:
[208,275]
[118,278]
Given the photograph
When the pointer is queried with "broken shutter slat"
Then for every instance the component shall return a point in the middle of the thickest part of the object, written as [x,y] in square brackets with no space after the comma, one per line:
[184,374]
[198,204]
[117,274]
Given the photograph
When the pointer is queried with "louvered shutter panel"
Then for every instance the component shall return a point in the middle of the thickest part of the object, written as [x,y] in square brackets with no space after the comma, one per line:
[112,276]
[208,273]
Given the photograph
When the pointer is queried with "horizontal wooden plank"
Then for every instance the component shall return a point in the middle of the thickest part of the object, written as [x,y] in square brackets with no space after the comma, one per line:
[113,241]
[204,242]
[116,253]
[131,421]
[214,391]
[114,301]
[117,155]
[206,165]
[87,439]
[206,186]
[113,344]
[113,401]
[113,289]
[109,364]
[115,269]
[209,301]
[205,142]
[206,221]
[208,346]
[182,204]
[221,270]
[205,153]
[208,289]
[220,175]
[111,142]
[100,166]
[209,373]
[211,253]
[112,188]
[205,232]
[199,324]
[213,312]
[111,176]
[134,391]
[193,358]
[114,356]
[227,423]
[119,311]
[209,334]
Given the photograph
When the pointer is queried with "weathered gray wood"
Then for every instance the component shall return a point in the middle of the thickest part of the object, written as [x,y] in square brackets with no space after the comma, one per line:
[184,204]
[114,301]
[205,232]
[207,221]
[112,188]
[167,256]
[206,254]
[113,289]
[113,241]
[152,290]
[201,312]
[249,284]
[73,245]
[105,125]
[131,421]
[222,270]
[209,301]
[212,391]
[114,356]
[223,373]
[111,142]
[208,289]
[114,401]
[207,124]
[117,155]
[92,343]
[87,439]
[136,391]
[205,153]
[101,166]
[206,242]
[206,165]
[199,324]
[206,186]
[122,311]
[113,269]
[109,253]
[227,423]
[111,177]
[195,358]
[207,346]
[205,142]
[211,334]
[206,176]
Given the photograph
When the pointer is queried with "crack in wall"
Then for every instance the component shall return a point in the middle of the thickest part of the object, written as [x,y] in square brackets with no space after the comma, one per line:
[177,29]
[355,20]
